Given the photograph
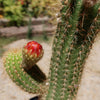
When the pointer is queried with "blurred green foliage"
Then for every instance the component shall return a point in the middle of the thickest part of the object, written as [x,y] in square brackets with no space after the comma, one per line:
[13,11]
[16,10]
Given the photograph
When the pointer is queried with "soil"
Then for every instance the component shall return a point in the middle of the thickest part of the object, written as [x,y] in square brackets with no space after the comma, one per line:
[90,83]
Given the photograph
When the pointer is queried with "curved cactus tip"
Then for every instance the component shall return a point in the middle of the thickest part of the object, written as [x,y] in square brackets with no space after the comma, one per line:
[32,52]
[30,80]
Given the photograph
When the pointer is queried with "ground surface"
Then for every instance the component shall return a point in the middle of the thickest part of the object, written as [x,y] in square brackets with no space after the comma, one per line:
[89,87]
[90,84]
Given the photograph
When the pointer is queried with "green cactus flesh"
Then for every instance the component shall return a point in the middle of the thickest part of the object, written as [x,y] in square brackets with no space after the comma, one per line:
[73,40]
[13,66]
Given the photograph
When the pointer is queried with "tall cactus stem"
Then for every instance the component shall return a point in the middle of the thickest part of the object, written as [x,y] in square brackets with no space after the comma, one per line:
[72,43]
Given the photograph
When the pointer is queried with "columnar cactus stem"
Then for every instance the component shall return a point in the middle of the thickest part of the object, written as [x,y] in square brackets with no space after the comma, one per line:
[73,40]
[76,31]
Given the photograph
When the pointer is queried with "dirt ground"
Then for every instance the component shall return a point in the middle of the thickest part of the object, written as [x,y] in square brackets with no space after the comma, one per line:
[90,83]
[89,86]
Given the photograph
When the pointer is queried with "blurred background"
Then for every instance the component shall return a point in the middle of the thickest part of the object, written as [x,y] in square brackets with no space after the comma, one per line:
[27,19]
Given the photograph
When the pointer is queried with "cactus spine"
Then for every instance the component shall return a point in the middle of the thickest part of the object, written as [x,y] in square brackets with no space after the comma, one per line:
[76,31]
[75,34]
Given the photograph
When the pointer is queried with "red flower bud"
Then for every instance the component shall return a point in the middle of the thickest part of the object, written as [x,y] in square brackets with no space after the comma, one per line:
[32,52]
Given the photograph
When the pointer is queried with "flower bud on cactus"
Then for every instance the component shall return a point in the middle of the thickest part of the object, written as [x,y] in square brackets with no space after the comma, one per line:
[28,80]
[32,52]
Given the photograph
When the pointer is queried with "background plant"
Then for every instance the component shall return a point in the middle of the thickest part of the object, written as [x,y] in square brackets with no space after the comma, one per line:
[39,7]
[29,32]
[13,11]
[16,10]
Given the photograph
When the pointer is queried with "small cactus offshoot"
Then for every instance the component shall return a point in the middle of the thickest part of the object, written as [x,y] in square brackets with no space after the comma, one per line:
[14,61]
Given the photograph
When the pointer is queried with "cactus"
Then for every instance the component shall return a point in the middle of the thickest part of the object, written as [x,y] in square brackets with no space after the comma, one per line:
[76,31]
[31,80]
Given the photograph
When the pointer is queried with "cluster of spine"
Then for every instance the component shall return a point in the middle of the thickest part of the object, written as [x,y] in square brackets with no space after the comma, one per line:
[75,34]
[14,67]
